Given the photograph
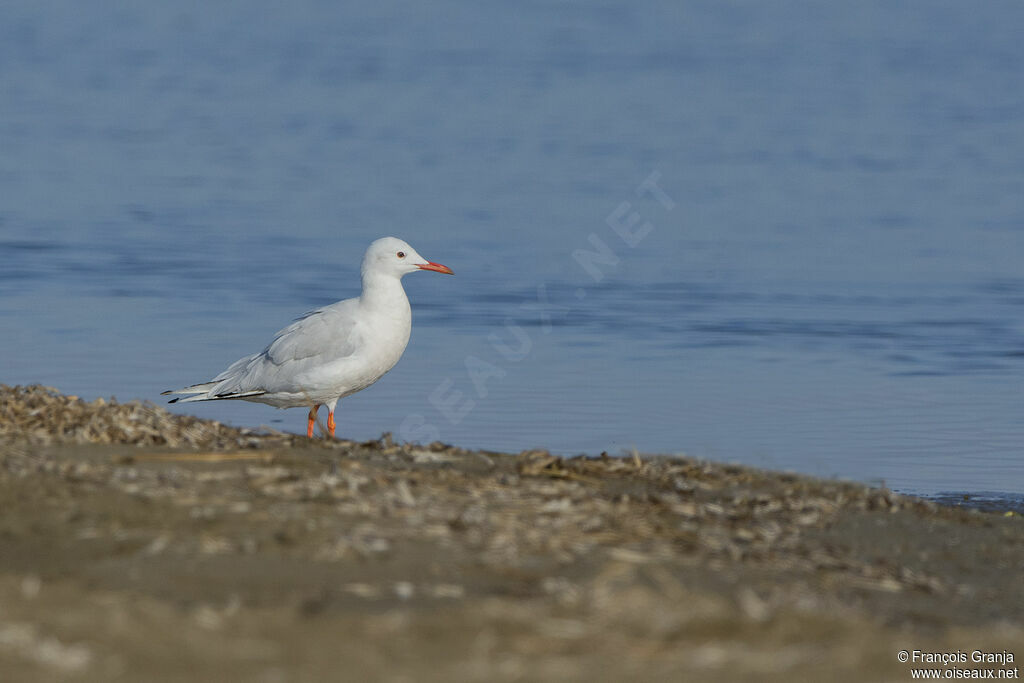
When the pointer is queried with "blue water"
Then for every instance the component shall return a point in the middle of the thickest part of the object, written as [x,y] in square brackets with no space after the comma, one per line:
[827,278]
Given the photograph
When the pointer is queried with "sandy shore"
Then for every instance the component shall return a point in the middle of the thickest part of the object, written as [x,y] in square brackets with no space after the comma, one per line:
[137,545]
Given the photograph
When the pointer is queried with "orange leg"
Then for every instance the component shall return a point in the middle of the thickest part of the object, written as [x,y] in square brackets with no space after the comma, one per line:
[330,423]
[312,420]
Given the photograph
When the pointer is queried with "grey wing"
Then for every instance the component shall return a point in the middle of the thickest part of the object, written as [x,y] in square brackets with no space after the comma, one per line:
[317,338]
[326,333]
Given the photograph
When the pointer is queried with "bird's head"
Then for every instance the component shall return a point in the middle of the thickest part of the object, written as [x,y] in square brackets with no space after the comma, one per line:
[392,256]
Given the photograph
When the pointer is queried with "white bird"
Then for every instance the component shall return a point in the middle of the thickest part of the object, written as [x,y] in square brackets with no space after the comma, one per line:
[333,351]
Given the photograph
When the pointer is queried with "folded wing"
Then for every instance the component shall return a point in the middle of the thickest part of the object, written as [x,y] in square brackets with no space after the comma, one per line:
[318,338]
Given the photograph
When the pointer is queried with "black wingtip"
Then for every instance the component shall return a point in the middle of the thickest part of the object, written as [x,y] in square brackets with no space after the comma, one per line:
[164,393]
[173,400]
[238,394]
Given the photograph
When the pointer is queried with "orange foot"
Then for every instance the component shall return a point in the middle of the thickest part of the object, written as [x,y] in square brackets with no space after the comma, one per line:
[312,421]
[330,423]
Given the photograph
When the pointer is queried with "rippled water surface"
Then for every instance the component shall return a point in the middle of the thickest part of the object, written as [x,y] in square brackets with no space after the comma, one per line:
[823,272]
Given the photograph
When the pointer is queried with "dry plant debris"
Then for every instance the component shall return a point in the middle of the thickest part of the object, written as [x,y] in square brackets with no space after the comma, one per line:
[643,567]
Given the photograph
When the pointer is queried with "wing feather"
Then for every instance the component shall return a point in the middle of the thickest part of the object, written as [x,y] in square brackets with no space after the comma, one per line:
[326,332]
[317,338]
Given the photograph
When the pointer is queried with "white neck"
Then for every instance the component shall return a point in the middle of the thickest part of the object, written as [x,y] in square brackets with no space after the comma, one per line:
[383,292]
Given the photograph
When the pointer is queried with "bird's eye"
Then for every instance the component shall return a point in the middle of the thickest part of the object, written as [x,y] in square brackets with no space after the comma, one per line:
[401,254]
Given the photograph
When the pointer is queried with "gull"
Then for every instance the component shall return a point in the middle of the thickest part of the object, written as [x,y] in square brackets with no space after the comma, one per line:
[330,352]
